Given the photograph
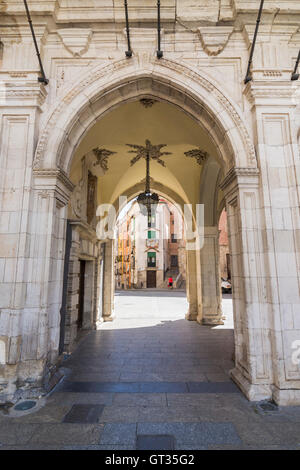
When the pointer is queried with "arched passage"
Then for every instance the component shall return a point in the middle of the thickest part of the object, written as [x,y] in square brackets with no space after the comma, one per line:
[67,125]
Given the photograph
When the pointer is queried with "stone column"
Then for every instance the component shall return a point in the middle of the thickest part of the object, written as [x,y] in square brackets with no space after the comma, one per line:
[108,288]
[253,352]
[193,285]
[273,108]
[210,278]
[100,285]
[20,107]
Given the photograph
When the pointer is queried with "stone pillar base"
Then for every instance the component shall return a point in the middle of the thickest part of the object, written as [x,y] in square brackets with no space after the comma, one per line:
[286,397]
[210,321]
[108,318]
[254,392]
[191,316]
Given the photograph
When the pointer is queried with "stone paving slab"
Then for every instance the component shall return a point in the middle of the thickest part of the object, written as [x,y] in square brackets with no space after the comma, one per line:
[13,433]
[194,434]
[66,434]
[82,413]
[155,442]
[140,399]
[119,434]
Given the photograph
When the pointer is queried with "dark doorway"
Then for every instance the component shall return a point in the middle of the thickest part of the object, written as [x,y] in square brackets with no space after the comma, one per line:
[228,266]
[151,278]
[81,294]
[174,261]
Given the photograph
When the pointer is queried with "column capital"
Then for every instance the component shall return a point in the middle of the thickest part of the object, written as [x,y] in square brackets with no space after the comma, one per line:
[271,88]
[21,89]
[238,177]
[211,231]
[56,181]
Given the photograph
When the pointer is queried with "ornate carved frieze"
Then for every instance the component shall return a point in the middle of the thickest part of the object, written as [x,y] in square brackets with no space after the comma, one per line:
[200,155]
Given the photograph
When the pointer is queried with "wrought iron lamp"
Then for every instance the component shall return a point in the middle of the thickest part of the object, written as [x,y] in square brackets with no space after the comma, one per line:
[147,200]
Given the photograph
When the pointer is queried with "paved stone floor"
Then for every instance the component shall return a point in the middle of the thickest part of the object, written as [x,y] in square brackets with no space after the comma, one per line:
[151,379]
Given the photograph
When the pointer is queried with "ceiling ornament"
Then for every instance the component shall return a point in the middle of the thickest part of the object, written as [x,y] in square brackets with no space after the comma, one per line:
[147,102]
[153,151]
[200,155]
[102,156]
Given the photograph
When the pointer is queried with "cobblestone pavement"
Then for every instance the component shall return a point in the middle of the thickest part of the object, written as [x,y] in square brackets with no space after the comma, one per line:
[153,380]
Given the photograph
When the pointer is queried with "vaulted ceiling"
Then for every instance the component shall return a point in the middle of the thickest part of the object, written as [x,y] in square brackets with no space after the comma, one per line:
[133,123]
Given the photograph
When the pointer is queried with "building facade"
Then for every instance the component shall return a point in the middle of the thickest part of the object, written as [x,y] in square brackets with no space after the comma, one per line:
[148,252]
[64,152]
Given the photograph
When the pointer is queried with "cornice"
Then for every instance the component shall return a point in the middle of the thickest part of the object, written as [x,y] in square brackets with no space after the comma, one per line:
[56,174]
[15,92]
[238,175]
[276,84]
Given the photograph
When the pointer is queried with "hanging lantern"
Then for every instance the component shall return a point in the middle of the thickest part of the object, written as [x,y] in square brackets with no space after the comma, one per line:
[147,200]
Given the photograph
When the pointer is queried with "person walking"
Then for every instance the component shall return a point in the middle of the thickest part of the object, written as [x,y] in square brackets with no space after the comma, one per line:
[170,282]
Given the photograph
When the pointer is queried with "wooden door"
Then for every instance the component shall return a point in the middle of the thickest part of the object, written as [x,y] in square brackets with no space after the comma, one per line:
[151,278]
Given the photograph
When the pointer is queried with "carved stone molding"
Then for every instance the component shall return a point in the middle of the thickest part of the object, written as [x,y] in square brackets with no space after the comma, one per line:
[76,40]
[260,91]
[55,173]
[214,40]
[29,94]
[238,174]
[199,155]
[53,181]
[76,198]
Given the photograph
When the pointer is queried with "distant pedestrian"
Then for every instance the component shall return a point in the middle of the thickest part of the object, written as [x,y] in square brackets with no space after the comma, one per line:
[170,282]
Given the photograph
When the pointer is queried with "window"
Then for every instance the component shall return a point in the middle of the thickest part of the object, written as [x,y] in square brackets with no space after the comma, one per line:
[151,259]
[173,238]
[151,234]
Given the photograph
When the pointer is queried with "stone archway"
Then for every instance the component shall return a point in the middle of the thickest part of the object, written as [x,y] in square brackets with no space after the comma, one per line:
[104,88]
[76,111]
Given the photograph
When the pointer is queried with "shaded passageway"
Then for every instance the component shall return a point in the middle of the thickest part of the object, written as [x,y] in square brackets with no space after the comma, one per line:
[150,340]
[151,373]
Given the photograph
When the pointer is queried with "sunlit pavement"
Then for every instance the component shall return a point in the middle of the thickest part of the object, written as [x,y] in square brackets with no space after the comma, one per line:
[152,373]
